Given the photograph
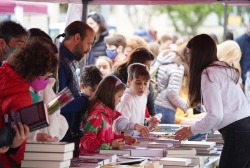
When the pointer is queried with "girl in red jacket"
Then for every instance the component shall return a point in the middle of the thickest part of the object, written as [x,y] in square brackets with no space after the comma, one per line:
[99,118]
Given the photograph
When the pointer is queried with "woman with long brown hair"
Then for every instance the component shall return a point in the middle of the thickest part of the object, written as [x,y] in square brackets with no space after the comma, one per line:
[214,84]
[97,22]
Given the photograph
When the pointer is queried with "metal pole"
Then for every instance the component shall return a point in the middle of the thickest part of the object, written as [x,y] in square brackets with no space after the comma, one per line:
[83,63]
[225,21]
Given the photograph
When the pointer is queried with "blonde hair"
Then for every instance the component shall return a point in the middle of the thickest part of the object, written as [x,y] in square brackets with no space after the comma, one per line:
[136,42]
[229,51]
[105,58]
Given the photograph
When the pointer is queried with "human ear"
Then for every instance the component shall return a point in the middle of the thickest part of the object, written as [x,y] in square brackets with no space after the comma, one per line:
[119,49]
[82,85]
[77,37]
[2,42]
[128,82]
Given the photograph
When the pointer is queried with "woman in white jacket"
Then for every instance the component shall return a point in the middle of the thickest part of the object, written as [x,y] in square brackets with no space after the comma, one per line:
[215,84]
[170,74]
[43,91]
[58,125]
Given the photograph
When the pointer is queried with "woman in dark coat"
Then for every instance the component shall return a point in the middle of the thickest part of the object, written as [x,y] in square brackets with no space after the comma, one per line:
[97,22]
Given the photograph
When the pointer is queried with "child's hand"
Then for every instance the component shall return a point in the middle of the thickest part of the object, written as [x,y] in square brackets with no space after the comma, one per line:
[4,149]
[129,140]
[46,138]
[144,131]
[153,122]
[117,143]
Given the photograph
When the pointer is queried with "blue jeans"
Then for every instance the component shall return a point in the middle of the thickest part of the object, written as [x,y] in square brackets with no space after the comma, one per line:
[236,149]
[168,115]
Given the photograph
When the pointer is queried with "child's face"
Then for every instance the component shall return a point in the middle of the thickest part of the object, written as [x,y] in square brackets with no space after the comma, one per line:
[118,96]
[88,90]
[138,85]
[104,66]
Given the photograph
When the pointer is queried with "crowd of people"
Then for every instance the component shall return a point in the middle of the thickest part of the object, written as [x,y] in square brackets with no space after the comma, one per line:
[126,82]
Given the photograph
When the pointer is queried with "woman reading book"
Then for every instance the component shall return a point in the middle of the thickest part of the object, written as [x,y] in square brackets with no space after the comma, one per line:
[99,118]
[16,75]
[214,84]
[43,91]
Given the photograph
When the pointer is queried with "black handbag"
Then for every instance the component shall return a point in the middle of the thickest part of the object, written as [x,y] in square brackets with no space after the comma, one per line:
[6,136]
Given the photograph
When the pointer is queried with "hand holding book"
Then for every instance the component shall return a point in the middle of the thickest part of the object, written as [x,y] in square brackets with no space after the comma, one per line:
[61,100]
[22,132]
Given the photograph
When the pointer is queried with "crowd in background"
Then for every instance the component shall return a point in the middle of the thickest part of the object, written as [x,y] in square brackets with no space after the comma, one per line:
[139,76]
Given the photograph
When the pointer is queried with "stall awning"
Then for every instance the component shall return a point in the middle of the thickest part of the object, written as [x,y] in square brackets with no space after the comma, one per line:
[30,8]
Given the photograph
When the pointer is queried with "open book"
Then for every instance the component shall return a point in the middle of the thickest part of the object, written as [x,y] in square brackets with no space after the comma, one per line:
[61,100]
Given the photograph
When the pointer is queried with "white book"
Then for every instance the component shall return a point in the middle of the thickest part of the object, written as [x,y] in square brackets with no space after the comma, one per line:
[50,147]
[115,152]
[180,156]
[48,156]
[175,161]
[148,152]
[111,157]
[198,144]
[45,164]
[192,165]
[176,151]
[197,159]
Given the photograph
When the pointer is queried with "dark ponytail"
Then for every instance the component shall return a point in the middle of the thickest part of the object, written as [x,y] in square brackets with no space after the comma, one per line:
[74,28]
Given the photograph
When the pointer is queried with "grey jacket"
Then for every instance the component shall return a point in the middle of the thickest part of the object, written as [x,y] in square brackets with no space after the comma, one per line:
[169,80]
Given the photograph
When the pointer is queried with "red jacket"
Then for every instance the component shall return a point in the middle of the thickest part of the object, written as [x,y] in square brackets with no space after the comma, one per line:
[98,130]
[14,94]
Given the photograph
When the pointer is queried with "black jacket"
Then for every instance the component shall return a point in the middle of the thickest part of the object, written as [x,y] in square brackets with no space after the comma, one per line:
[123,76]
[98,49]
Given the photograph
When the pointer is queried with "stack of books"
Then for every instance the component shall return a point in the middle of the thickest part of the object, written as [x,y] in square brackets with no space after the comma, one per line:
[203,148]
[215,137]
[176,143]
[48,155]
[190,153]
[137,151]
[83,162]
[178,163]
[111,157]
[181,152]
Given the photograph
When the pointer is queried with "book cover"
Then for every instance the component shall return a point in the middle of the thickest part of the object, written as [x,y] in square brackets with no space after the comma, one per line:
[84,165]
[180,155]
[155,145]
[45,164]
[49,147]
[87,160]
[34,116]
[131,162]
[112,151]
[192,165]
[176,151]
[111,157]
[148,152]
[48,156]
[198,144]
[175,161]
